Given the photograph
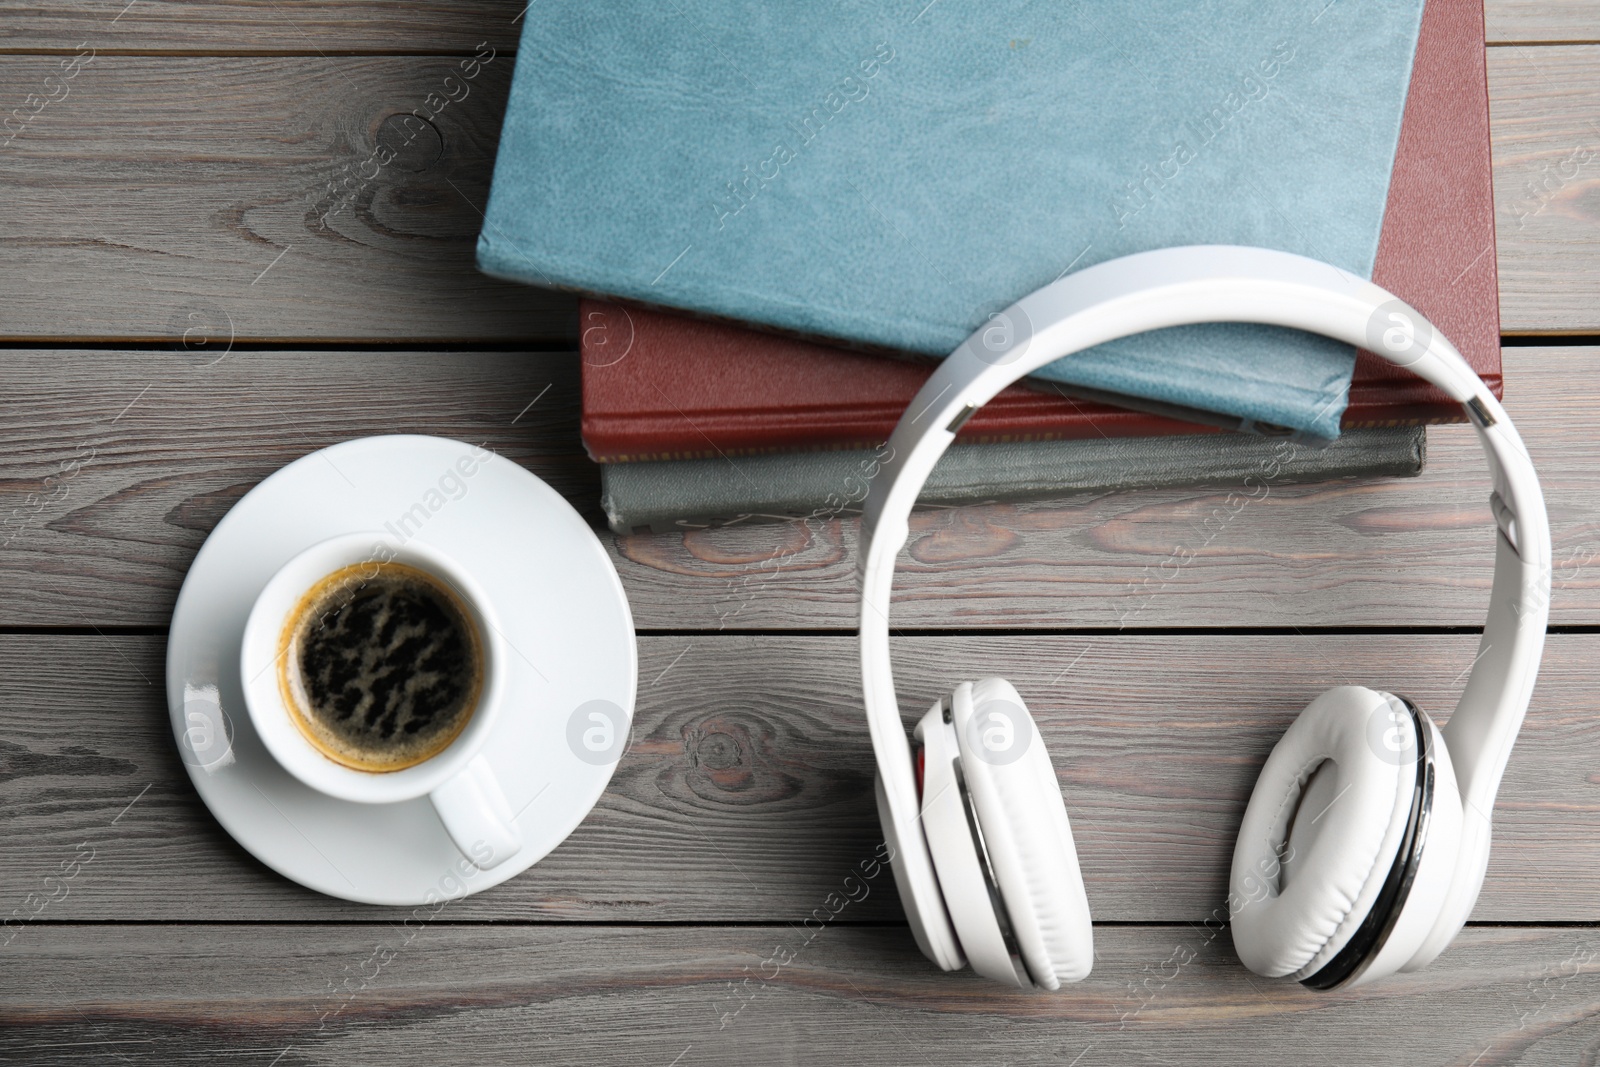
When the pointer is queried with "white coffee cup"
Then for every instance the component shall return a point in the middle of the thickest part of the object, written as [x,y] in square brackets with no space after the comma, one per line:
[458,780]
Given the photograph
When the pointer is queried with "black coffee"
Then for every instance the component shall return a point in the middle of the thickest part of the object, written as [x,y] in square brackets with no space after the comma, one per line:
[381,665]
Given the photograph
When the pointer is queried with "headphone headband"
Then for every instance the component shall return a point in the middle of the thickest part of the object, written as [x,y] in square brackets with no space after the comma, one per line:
[1184,286]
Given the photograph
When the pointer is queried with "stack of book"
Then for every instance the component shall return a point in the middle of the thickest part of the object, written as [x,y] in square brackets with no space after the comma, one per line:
[702,419]
[703,423]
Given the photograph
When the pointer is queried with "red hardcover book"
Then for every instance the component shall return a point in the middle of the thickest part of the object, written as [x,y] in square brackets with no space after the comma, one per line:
[659,385]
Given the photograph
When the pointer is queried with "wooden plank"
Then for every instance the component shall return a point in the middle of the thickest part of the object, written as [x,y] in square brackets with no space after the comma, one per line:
[258,198]
[1544,104]
[120,462]
[232,27]
[747,791]
[314,27]
[1528,21]
[160,191]
[691,997]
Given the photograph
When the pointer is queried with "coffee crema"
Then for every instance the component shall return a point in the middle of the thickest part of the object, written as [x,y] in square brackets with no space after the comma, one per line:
[380,666]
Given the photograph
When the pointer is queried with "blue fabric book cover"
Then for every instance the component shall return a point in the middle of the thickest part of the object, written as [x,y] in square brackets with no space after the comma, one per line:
[893,173]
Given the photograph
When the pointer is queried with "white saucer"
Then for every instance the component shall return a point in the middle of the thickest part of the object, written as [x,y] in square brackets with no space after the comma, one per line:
[560,604]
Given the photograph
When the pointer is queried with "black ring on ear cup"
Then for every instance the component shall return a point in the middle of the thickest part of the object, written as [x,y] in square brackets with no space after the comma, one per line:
[1364,945]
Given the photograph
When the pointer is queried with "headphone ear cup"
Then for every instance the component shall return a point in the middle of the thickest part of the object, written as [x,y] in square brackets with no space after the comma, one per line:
[1321,832]
[964,886]
[924,908]
[1412,943]
[1023,821]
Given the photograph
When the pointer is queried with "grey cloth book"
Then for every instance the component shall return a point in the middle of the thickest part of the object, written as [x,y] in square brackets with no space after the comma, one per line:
[675,495]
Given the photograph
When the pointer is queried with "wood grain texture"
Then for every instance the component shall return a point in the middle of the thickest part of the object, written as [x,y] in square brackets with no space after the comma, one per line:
[159,192]
[746,794]
[258,199]
[243,27]
[1510,21]
[1545,121]
[120,462]
[432,993]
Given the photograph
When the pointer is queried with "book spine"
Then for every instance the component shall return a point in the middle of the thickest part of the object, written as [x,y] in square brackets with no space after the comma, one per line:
[678,495]
[671,434]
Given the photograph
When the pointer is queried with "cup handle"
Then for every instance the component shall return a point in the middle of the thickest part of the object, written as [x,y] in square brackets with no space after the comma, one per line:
[477,815]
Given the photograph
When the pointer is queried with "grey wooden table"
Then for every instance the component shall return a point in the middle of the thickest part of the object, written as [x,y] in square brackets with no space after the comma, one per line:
[159,211]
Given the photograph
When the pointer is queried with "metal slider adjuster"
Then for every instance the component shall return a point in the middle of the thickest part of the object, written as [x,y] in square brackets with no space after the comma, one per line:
[1478,413]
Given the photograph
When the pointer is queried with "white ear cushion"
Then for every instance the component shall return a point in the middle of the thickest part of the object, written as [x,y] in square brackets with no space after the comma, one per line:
[963,888]
[1293,917]
[1024,823]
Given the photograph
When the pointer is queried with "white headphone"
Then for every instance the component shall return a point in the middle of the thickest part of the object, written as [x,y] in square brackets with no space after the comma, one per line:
[1386,866]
